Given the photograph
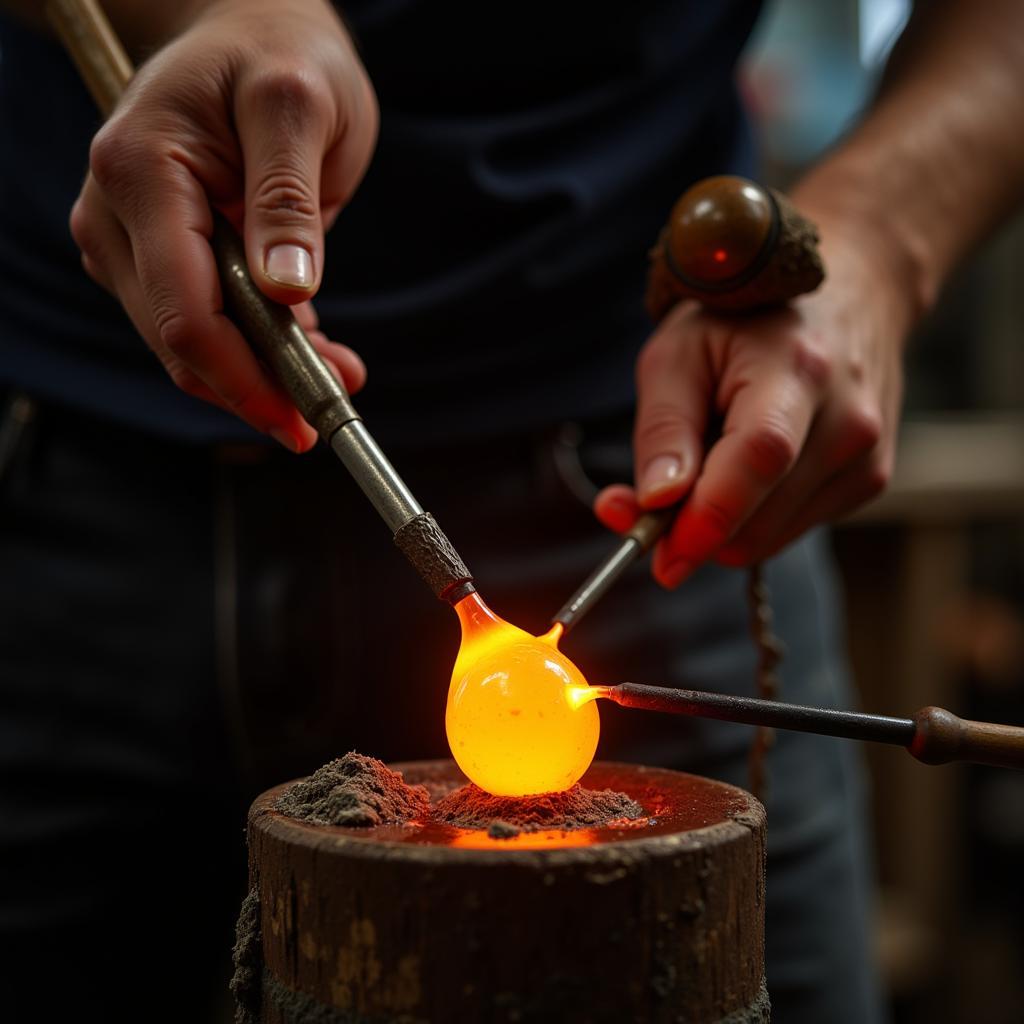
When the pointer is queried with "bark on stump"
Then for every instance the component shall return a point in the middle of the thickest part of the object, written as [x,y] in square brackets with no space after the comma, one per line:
[426,924]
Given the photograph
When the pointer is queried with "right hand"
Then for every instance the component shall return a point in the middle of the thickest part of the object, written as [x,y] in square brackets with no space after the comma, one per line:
[263,111]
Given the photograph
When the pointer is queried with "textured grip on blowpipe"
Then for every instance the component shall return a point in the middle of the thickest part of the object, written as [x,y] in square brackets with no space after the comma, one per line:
[431,554]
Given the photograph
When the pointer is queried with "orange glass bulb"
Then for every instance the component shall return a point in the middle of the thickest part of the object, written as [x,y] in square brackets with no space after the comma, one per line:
[515,723]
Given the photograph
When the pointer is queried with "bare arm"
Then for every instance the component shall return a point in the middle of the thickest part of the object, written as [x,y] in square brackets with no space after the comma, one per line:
[809,398]
[939,159]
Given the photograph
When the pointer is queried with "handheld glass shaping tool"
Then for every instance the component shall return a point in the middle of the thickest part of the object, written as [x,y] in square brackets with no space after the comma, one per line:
[932,735]
[276,335]
[733,246]
[636,542]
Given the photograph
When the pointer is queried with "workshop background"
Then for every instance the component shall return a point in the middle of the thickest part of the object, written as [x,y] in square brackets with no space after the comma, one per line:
[933,569]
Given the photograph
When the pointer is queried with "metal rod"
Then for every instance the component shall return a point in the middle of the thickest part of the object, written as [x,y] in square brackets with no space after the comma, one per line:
[751,711]
[598,583]
[370,468]
[647,529]
[932,735]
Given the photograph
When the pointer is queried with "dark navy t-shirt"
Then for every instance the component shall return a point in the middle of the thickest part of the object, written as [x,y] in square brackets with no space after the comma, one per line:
[490,268]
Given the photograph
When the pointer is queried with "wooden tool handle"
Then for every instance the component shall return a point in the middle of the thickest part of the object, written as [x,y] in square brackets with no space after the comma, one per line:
[940,737]
[94,47]
[268,326]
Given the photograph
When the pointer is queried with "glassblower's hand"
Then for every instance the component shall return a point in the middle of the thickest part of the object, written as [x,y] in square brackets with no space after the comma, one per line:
[808,398]
[264,112]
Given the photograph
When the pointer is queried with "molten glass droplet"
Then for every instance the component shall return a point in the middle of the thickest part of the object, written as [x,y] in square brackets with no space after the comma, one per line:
[515,723]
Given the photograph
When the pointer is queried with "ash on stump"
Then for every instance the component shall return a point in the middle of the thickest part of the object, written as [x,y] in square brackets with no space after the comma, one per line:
[659,919]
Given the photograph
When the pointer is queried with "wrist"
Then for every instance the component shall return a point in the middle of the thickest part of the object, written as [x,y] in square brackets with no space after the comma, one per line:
[857,227]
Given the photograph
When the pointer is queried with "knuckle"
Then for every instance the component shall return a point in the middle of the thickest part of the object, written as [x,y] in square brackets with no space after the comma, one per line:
[290,91]
[369,107]
[175,334]
[863,426]
[113,156]
[283,195]
[878,477]
[770,450]
[104,154]
[811,361]
[83,226]
[95,271]
[130,165]
[855,367]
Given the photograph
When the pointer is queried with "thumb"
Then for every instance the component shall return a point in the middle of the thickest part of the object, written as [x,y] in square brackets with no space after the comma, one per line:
[673,393]
[283,130]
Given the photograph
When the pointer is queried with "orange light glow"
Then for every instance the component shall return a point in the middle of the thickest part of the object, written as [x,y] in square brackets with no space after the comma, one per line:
[720,255]
[580,695]
[515,721]
[475,839]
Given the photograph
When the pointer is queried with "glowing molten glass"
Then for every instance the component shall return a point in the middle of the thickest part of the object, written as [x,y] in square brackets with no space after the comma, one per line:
[515,722]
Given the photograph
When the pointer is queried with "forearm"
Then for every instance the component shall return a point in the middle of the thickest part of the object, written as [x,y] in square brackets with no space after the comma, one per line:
[939,158]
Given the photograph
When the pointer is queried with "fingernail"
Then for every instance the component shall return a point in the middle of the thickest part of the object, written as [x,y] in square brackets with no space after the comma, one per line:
[291,265]
[285,439]
[659,474]
[675,572]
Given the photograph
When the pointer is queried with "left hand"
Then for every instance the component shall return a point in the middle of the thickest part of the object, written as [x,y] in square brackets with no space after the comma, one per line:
[808,398]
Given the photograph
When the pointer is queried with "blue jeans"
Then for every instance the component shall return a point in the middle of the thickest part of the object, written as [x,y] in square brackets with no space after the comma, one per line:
[181,628]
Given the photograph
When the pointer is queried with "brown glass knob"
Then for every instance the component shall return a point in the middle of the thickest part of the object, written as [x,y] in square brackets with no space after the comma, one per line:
[734,246]
[720,229]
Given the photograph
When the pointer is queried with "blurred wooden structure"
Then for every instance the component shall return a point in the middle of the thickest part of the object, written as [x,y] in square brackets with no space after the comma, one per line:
[906,563]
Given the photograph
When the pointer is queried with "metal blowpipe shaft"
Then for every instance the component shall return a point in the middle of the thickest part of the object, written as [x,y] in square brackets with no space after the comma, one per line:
[276,335]
[932,735]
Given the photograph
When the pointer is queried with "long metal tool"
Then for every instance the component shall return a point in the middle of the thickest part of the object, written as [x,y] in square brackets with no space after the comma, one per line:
[275,334]
[638,541]
[932,735]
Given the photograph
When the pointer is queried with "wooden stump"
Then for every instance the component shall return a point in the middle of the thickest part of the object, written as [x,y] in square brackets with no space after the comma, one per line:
[427,924]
